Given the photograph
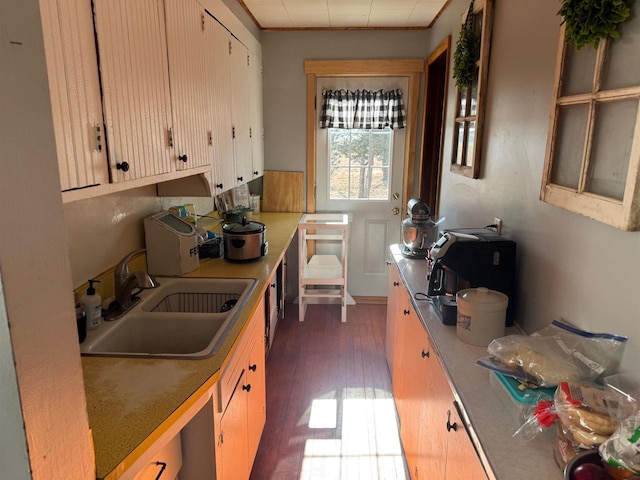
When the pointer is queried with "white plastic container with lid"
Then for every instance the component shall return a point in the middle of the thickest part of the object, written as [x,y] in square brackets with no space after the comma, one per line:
[481,315]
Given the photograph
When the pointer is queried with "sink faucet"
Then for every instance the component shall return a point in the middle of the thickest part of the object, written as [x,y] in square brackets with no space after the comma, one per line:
[125,282]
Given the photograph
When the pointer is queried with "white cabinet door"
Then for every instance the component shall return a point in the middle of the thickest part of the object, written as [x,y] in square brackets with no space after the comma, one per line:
[240,111]
[188,78]
[218,63]
[134,70]
[256,129]
[72,67]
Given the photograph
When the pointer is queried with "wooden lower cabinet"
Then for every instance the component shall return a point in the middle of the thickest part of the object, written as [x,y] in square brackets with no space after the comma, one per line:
[434,448]
[240,404]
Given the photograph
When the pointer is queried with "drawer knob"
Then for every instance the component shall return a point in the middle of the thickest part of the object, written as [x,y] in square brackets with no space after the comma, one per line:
[426,354]
[406,312]
[396,284]
[246,387]
[183,158]
[253,367]
[451,426]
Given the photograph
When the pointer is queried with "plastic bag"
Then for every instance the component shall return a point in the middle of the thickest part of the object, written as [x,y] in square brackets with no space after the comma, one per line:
[559,352]
[622,449]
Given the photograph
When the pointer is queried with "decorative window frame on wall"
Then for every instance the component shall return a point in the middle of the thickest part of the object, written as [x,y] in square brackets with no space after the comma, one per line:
[592,161]
[466,154]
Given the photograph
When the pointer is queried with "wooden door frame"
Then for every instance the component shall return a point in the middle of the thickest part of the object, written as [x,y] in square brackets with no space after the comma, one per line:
[443,49]
[411,68]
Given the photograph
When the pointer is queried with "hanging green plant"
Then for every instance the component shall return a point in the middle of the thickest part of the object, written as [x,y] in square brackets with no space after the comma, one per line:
[465,57]
[589,21]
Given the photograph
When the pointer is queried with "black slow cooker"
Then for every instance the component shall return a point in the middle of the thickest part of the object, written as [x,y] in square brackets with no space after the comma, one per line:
[245,240]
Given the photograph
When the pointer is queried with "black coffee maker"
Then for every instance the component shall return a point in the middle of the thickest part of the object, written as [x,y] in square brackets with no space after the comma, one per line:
[469,258]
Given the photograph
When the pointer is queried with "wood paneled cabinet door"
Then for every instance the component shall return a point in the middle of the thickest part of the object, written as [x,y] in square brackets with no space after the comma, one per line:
[219,102]
[134,69]
[256,395]
[74,87]
[233,443]
[187,52]
[394,289]
[240,110]
[463,462]
[256,126]
[242,412]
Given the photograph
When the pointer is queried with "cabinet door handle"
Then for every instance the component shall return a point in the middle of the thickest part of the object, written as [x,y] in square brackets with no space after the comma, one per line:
[256,172]
[451,426]
[183,158]
[273,285]
[163,466]
[396,284]
[240,179]
[124,166]
[426,354]
[406,312]
[219,185]
[253,367]
[246,387]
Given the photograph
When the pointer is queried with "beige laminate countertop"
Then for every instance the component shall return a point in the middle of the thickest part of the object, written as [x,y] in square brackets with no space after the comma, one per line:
[486,408]
[131,401]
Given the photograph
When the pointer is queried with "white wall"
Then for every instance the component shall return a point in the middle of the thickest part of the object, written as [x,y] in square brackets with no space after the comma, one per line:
[569,267]
[34,261]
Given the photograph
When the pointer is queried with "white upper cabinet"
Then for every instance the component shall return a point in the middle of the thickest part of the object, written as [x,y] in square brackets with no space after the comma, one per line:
[218,61]
[240,110]
[75,92]
[132,46]
[256,128]
[151,91]
[188,75]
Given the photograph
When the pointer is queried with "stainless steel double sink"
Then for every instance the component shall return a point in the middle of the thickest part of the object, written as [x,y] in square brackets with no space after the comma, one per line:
[185,318]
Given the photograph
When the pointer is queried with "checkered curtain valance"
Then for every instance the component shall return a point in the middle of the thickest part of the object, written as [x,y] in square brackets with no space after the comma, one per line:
[362,109]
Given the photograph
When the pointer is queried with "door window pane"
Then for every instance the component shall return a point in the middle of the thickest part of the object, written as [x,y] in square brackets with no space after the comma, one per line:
[359,164]
[611,149]
[572,129]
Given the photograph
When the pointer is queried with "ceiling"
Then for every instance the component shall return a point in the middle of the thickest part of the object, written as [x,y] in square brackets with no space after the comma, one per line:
[342,14]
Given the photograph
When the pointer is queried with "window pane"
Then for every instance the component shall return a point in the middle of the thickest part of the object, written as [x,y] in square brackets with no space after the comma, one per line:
[471,140]
[462,103]
[460,144]
[359,166]
[474,93]
[579,67]
[611,149]
[572,128]
[619,71]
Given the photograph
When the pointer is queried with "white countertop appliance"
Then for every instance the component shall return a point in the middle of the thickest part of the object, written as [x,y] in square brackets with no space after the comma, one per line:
[172,245]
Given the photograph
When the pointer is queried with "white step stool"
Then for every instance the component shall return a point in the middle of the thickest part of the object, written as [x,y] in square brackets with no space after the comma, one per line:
[323,277]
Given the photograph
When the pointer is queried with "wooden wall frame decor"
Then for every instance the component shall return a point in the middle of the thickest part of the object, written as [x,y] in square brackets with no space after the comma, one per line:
[468,131]
[411,68]
[592,161]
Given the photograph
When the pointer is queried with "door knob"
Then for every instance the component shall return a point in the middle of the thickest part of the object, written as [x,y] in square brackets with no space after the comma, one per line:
[395,210]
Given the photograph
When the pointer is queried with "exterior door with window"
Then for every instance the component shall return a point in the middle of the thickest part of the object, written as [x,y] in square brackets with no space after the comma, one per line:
[359,172]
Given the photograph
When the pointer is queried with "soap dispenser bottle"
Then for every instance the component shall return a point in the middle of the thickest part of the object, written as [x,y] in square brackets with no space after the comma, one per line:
[92,306]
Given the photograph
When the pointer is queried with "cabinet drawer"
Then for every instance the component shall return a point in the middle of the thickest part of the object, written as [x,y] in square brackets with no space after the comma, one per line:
[166,464]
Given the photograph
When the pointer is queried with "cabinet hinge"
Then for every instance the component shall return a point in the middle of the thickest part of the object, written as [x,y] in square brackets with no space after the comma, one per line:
[221,438]
[170,137]
[250,134]
[202,21]
[233,132]
[248,65]
[229,47]
[210,138]
[97,135]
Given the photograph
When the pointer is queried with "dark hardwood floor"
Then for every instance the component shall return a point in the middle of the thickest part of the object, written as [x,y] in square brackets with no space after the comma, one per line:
[330,411]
